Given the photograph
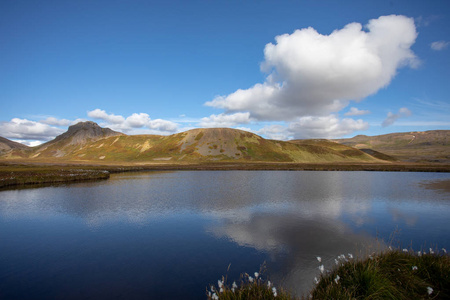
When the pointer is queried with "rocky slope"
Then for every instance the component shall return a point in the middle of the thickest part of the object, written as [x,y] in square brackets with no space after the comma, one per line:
[7,147]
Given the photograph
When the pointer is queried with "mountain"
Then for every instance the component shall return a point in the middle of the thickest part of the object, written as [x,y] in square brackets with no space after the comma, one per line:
[89,143]
[76,136]
[419,146]
[8,146]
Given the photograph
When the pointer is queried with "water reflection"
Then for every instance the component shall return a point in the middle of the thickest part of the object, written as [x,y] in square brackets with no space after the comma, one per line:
[293,240]
[285,218]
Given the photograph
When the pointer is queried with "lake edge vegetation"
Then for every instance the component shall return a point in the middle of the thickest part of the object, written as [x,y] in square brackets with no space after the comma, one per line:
[22,173]
[391,274]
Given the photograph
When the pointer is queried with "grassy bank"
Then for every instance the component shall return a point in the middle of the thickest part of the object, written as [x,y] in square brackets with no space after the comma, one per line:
[18,173]
[394,274]
[22,175]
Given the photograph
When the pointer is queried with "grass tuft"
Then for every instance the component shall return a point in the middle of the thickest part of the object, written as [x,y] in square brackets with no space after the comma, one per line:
[249,287]
[392,274]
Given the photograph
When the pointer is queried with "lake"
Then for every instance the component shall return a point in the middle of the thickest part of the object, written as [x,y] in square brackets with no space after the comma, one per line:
[168,235]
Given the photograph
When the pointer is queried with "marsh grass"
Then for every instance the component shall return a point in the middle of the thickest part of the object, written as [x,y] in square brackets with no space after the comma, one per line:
[253,286]
[392,274]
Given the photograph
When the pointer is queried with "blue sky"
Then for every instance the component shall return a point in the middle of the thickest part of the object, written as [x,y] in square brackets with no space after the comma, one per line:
[282,69]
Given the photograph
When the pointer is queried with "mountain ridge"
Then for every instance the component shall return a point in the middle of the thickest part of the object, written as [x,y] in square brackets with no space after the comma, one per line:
[87,141]
[414,146]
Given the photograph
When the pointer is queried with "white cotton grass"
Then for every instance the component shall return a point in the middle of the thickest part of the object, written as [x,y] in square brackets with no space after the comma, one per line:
[321,268]
[413,264]
[255,284]
[337,279]
[234,286]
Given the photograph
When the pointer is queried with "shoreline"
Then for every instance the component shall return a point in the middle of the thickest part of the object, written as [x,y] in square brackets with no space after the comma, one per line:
[15,174]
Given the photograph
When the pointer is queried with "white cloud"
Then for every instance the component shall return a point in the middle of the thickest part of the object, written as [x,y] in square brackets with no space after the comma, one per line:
[56,122]
[325,127]
[102,115]
[225,120]
[391,117]
[314,127]
[439,45]
[276,132]
[426,21]
[29,143]
[24,129]
[356,112]
[315,75]
[162,125]
[134,122]
[138,120]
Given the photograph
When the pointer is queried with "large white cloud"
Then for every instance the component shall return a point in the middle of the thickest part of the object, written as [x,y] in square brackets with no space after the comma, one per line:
[136,121]
[315,75]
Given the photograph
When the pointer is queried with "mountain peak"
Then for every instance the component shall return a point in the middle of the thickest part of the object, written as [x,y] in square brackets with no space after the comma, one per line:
[82,131]
[84,126]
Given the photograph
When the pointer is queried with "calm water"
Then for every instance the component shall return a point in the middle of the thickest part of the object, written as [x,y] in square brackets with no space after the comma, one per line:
[168,235]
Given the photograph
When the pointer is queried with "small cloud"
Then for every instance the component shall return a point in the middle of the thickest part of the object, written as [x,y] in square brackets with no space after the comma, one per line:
[356,112]
[134,122]
[439,45]
[276,132]
[56,122]
[225,120]
[102,115]
[425,21]
[29,143]
[391,117]
[326,127]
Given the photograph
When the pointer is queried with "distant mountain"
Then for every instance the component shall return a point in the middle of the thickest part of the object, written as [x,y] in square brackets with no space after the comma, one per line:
[7,146]
[89,142]
[420,146]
